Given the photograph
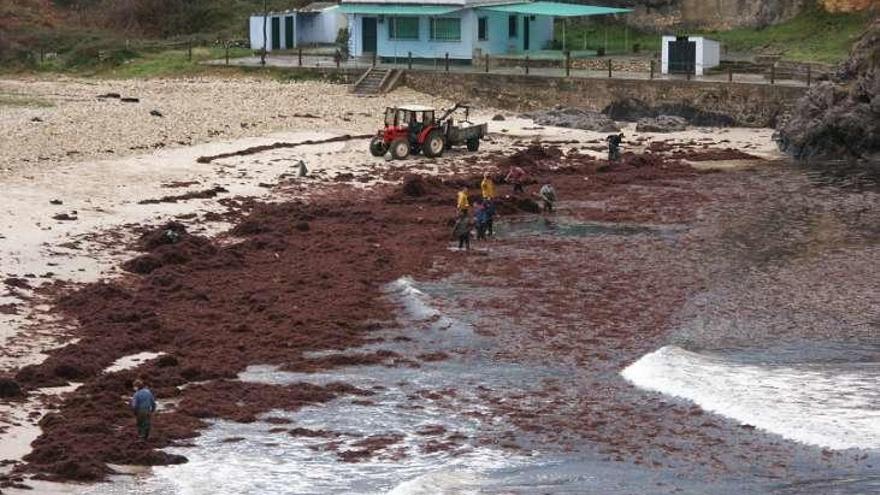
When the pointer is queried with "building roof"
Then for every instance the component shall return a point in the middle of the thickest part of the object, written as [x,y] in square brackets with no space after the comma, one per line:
[440,7]
[555,9]
[438,3]
[317,7]
[397,9]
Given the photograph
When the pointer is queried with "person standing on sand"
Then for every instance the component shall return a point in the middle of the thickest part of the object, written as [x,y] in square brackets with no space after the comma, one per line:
[143,404]
[463,204]
[548,195]
[488,187]
[614,141]
[462,231]
[516,176]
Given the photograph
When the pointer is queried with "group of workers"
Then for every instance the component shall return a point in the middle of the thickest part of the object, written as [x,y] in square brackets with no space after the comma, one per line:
[484,206]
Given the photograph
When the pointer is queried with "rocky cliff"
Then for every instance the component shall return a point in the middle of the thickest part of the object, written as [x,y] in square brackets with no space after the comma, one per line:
[840,118]
[662,15]
[711,14]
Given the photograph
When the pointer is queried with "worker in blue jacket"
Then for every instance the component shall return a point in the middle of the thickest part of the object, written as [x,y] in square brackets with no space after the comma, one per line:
[143,404]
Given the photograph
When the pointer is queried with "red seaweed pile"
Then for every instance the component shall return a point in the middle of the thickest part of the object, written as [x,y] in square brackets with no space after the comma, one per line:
[289,278]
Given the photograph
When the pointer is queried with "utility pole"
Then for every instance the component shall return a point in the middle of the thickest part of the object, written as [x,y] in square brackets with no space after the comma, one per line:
[265,40]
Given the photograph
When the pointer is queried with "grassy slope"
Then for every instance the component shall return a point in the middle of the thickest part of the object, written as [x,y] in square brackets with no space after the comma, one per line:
[813,36]
[170,63]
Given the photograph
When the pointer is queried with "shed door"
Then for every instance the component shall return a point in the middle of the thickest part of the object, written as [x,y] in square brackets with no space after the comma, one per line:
[682,56]
[526,33]
[368,36]
[276,33]
[288,31]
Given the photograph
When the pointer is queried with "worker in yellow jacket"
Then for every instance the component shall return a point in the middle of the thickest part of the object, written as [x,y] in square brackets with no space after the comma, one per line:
[488,187]
[463,203]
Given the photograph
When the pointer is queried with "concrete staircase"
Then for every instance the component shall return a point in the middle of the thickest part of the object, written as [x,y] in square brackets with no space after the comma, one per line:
[377,81]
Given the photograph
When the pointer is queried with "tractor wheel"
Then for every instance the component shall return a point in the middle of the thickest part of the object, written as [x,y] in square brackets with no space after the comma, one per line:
[399,149]
[378,147]
[473,144]
[434,144]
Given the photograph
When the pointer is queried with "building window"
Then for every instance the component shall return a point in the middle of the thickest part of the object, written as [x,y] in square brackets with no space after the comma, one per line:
[445,29]
[512,26]
[403,28]
[482,29]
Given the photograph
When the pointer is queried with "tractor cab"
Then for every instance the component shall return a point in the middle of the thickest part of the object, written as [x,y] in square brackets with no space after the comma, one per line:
[414,129]
[407,116]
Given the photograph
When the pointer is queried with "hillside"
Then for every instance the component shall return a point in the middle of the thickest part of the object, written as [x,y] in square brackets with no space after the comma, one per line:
[89,26]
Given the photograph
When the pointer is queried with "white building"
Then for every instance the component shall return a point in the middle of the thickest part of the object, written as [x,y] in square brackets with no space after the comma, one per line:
[689,55]
[463,29]
[317,23]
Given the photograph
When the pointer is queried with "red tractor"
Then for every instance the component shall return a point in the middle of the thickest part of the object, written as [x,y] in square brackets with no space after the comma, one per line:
[413,129]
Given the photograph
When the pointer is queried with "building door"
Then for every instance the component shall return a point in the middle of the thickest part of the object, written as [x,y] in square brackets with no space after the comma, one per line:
[682,56]
[288,31]
[368,35]
[276,33]
[525,33]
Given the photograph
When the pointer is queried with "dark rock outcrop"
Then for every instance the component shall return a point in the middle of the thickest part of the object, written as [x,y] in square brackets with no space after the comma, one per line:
[634,109]
[662,123]
[840,118]
[574,118]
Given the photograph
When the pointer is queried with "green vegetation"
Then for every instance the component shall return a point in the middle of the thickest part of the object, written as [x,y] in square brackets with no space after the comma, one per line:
[611,38]
[812,36]
[175,62]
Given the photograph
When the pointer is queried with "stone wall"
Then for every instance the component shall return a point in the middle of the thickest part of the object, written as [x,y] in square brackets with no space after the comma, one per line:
[752,105]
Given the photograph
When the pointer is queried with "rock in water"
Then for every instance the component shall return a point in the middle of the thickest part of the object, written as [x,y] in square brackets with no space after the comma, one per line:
[9,388]
[663,123]
[574,118]
[840,118]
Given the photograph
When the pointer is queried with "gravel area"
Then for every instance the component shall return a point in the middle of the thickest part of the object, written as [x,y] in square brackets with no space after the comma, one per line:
[53,121]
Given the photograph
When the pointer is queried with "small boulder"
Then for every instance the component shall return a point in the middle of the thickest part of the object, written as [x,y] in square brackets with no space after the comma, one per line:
[9,388]
[498,117]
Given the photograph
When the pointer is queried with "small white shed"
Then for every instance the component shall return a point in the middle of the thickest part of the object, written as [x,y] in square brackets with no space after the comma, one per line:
[689,55]
[317,23]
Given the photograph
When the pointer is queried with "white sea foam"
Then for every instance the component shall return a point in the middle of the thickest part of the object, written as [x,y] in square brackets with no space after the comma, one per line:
[828,405]
[415,302]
